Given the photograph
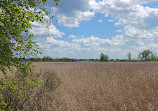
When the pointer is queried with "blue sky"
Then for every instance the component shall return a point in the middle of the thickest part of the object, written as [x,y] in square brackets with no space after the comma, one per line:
[85,28]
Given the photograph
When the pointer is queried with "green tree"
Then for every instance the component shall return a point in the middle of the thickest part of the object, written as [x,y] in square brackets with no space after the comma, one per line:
[16,42]
[153,57]
[104,57]
[145,55]
[47,58]
[129,55]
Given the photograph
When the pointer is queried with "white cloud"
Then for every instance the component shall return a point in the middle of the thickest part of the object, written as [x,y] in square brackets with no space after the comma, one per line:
[111,20]
[72,36]
[94,5]
[139,22]
[43,46]
[71,12]
[59,43]
[74,20]
[136,33]
[41,29]
[96,41]
[128,12]
[91,47]
[100,21]
[88,47]
[119,30]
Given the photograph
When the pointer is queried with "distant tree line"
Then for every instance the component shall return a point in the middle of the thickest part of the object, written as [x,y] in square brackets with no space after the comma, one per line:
[145,55]
[49,59]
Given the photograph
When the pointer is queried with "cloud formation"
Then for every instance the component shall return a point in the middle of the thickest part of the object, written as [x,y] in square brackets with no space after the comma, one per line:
[42,29]
[71,12]
[139,32]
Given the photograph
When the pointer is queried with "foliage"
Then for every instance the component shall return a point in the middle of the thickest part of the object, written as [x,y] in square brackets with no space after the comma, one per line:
[47,58]
[103,57]
[16,90]
[16,42]
[106,57]
[153,57]
[147,55]
[129,55]
[117,60]
[15,19]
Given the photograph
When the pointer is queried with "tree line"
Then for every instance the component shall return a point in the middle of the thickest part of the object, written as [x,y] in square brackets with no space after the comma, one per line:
[145,55]
[49,59]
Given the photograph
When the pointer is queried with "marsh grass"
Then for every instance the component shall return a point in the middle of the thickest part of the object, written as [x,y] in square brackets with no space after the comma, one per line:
[43,98]
[95,86]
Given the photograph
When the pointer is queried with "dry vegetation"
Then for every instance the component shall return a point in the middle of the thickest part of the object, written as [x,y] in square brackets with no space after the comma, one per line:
[38,96]
[96,86]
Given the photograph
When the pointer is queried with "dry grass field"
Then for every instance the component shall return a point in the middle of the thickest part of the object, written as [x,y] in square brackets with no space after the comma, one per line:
[96,86]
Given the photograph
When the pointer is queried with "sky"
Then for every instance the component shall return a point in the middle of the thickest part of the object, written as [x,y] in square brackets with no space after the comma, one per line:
[82,29]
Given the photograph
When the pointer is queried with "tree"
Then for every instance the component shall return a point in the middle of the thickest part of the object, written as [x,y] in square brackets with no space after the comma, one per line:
[106,57]
[47,58]
[129,55]
[16,42]
[153,57]
[145,55]
[103,57]
[15,38]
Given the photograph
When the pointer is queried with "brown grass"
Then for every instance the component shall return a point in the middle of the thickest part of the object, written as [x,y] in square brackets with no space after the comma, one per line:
[95,86]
